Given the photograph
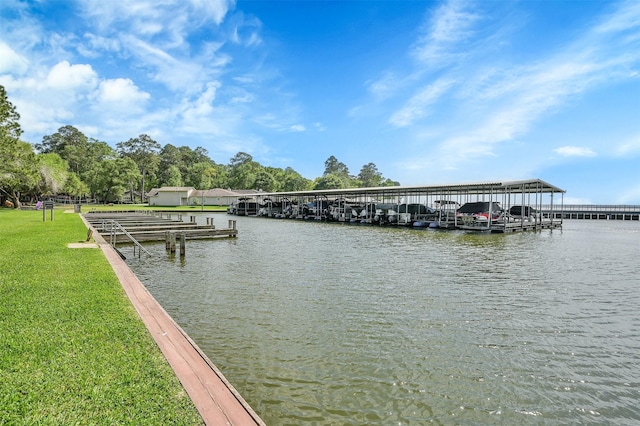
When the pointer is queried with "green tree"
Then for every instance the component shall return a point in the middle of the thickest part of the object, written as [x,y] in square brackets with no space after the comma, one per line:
[369,176]
[83,154]
[70,144]
[172,177]
[201,175]
[18,171]
[242,171]
[241,158]
[222,177]
[97,152]
[330,181]
[389,182]
[334,167]
[264,180]
[54,173]
[193,156]
[110,180]
[144,152]
[75,187]
[293,181]
[170,161]
[9,118]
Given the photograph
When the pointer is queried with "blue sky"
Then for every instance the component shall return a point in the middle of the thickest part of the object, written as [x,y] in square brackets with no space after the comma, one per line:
[432,92]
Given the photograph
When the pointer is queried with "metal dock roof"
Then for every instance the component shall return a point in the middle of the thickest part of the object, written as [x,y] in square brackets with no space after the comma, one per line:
[522,186]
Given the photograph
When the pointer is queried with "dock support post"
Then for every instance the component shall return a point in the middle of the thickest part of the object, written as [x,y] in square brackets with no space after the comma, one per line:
[172,239]
[167,240]
[192,219]
[232,224]
[183,245]
[180,217]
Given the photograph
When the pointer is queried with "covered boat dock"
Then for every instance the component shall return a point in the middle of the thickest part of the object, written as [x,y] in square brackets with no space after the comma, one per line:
[498,206]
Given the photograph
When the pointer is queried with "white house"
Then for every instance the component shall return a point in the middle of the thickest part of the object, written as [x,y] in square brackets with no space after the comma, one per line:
[216,196]
[171,196]
[188,196]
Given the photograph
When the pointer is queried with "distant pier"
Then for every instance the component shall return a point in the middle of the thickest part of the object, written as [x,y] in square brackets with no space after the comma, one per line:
[597,212]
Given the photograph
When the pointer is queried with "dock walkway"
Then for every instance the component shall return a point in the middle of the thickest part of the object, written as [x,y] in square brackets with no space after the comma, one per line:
[217,401]
[148,227]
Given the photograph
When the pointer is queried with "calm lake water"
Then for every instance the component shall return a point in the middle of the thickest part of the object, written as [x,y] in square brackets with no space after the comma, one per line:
[328,324]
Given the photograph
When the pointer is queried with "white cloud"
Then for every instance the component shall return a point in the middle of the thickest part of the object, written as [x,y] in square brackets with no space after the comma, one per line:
[66,77]
[155,37]
[246,30]
[121,93]
[297,128]
[66,89]
[150,17]
[12,62]
[385,86]
[242,98]
[203,105]
[94,45]
[213,10]
[629,147]
[416,107]
[199,116]
[575,151]
[450,25]
[178,74]
[625,17]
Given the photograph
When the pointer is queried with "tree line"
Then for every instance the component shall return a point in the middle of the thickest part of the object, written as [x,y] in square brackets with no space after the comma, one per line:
[71,163]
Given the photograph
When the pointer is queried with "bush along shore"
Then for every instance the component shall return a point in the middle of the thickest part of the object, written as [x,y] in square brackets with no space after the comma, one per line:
[72,348]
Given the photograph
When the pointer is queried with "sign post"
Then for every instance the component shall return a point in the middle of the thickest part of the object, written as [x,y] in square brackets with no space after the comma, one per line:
[47,205]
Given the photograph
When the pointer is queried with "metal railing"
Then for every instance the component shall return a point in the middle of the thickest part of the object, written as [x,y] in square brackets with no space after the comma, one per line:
[114,228]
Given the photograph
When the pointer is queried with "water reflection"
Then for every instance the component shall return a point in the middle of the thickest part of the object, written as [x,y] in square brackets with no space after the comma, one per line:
[325,324]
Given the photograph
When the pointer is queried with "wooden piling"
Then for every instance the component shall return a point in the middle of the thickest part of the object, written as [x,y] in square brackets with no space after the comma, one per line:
[172,239]
[183,245]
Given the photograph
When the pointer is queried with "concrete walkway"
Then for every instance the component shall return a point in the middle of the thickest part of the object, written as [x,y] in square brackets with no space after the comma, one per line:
[215,398]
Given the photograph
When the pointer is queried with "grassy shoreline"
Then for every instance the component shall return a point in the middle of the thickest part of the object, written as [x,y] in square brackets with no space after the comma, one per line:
[72,348]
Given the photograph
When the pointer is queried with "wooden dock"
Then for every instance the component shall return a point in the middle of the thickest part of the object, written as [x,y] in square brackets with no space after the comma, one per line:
[145,226]
[507,226]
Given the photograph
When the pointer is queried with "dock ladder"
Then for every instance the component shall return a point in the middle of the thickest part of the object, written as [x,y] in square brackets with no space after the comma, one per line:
[115,226]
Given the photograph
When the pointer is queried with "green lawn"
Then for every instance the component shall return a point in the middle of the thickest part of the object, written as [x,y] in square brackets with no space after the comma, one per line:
[72,348]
